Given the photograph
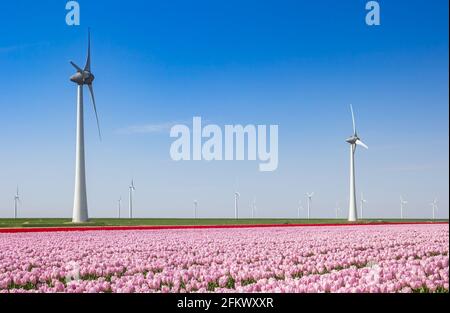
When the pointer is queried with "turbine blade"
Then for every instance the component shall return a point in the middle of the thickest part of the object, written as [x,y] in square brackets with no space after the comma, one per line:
[362,144]
[79,70]
[353,120]
[91,89]
[87,67]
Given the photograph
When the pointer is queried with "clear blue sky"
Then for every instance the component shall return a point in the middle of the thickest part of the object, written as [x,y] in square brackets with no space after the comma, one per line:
[298,64]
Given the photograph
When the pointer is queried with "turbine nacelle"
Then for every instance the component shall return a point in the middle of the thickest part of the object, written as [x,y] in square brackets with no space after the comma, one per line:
[403,201]
[16,196]
[352,140]
[82,78]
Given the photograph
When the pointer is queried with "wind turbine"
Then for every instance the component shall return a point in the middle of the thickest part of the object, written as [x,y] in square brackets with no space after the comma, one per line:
[337,210]
[237,195]
[253,206]
[300,208]
[119,204]
[131,189]
[362,204]
[195,208]
[309,199]
[435,207]
[353,141]
[16,202]
[82,77]
[402,203]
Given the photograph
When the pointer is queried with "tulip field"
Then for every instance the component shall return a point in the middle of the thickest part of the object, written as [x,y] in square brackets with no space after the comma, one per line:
[340,259]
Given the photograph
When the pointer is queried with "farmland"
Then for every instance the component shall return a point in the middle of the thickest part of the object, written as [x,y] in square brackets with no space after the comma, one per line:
[65,222]
[341,259]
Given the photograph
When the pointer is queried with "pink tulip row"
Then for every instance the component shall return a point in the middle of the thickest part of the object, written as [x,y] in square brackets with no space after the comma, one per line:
[385,258]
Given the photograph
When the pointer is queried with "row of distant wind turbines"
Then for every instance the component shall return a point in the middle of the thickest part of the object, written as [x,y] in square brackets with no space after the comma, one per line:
[309,197]
[237,195]
[84,77]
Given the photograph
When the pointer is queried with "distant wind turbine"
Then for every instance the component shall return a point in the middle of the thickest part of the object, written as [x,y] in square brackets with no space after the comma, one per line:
[237,195]
[16,202]
[403,202]
[131,190]
[362,204]
[299,209]
[82,77]
[195,208]
[337,210]
[309,200]
[434,207]
[353,141]
[253,206]
[119,204]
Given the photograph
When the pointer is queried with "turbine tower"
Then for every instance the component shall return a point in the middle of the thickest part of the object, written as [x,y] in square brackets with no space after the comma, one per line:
[309,199]
[254,208]
[131,189]
[16,202]
[434,207]
[353,141]
[119,205]
[195,208]
[402,206]
[362,204]
[82,77]
[237,195]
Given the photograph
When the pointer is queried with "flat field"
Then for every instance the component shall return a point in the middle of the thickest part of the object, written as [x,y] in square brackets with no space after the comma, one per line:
[341,259]
[65,222]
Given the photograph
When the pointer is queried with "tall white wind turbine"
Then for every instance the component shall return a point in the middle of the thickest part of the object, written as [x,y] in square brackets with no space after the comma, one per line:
[354,140]
[131,190]
[403,202]
[195,208]
[362,204]
[237,195]
[16,202]
[82,77]
[434,207]
[309,200]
